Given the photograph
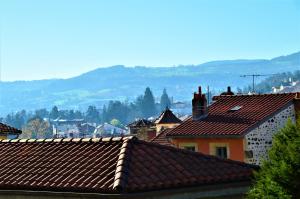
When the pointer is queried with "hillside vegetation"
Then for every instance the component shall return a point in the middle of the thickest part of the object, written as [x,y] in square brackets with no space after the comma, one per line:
[99,86]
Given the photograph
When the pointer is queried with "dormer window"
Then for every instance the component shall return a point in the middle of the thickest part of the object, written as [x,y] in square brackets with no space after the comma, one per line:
[236,108]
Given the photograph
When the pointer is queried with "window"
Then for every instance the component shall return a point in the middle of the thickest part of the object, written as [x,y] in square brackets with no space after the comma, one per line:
[221,152]
[236,108]
[189,146]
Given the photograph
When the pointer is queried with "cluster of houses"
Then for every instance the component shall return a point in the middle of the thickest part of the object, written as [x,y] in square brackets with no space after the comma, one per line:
[287,87]
[78,128]
[210,154]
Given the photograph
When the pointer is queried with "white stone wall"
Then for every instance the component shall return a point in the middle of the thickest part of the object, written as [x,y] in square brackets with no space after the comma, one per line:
[259,140]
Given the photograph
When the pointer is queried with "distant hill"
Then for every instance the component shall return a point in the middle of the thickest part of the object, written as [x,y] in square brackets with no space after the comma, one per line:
[126,83]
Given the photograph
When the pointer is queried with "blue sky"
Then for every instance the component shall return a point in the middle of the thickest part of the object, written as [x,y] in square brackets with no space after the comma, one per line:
[64,38]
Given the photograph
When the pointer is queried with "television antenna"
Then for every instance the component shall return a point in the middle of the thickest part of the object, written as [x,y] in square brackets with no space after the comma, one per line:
[254,76]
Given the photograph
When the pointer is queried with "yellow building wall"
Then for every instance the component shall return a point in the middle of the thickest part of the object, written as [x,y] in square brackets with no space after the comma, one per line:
[3,137]
[165,126]
[207,146]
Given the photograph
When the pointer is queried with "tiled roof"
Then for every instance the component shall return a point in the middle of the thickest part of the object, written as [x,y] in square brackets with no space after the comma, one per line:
[110,165]
[234,115]
[4,129]
[141,123]
[167,117]
[289,89]
[161,138]
[86,128]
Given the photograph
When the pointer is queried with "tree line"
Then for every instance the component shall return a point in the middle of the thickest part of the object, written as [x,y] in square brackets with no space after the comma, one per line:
[144,106]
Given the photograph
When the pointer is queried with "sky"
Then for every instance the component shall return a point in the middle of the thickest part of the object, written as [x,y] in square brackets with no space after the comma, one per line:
[64,38]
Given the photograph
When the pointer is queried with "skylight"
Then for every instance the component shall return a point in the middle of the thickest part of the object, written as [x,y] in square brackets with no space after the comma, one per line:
[236,108]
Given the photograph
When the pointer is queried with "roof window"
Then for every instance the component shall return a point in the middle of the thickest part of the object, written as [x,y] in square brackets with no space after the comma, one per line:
[236,108]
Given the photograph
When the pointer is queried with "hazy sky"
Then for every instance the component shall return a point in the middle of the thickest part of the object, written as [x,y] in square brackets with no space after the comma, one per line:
[63,38]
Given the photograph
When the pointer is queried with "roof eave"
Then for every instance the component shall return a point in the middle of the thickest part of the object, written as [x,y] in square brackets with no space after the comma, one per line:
[206,136]
[220,189]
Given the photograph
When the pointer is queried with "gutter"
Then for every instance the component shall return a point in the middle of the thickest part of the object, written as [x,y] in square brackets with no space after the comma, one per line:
[210,191]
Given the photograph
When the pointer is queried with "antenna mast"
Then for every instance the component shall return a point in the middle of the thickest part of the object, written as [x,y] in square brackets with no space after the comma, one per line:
[253,79]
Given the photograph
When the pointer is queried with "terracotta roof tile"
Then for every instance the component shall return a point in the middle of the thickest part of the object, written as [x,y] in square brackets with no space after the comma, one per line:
[4,129]
[141,123]
[167,117]
[222,120]
[118,165]
[161,138]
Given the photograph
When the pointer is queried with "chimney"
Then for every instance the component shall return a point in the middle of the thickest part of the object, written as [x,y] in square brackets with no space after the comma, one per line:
[199,104]
[228,89]
[228,92]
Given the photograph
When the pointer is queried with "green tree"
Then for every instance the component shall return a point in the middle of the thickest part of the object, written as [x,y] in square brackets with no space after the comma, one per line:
[148,104]
[42,113]
[104,114]
[54,114]
[20,118]
[164,101]
[78,114]
[92,115]
[71,115]
[116,123]
[279,176]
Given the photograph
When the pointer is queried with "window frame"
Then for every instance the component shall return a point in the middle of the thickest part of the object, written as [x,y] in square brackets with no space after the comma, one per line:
[188,144]
[213,148]
[221,152]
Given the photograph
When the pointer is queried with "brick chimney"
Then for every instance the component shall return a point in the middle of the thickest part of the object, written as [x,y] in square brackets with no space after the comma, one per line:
[228,92]
[199,104]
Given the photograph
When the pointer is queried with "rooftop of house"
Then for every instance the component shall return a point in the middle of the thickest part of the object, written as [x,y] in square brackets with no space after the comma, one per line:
[162,139]
[5,129]
[167,117]
[110,165]
[141,123]
[234,115]
[293,88]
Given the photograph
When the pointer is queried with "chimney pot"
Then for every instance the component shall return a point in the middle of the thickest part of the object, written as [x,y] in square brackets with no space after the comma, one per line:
[200,90]
[199,104]
[228,89]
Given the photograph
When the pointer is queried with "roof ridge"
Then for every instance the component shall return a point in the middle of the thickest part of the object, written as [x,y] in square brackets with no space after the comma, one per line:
[102,139]
[121,170]
[255,94]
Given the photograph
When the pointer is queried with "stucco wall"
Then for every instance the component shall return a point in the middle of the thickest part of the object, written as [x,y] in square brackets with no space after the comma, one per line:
[165,126]
[259,140]
[235,145]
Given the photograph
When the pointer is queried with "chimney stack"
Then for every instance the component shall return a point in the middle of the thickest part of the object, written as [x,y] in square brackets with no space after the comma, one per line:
[228,89]
[199,103]
[228,92]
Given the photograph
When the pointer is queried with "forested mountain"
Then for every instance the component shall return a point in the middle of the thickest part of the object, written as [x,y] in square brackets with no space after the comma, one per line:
[99,86]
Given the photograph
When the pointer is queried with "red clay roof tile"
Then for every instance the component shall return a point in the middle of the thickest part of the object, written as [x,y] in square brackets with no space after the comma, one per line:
[221,120]
[167,117]
[162,139]
[5,129]
[119,165]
